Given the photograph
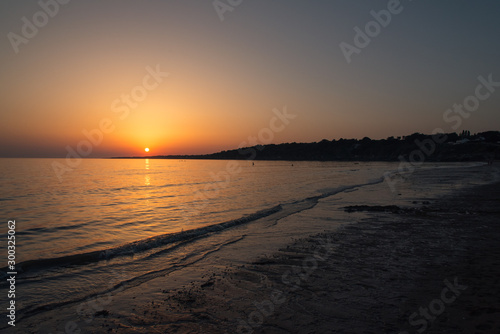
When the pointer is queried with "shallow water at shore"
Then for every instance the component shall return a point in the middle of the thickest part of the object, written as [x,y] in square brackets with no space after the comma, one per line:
[106,203]
[184,255]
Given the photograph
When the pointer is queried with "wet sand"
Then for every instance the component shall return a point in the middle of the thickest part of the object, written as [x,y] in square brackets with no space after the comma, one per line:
[432,268]
[423,259]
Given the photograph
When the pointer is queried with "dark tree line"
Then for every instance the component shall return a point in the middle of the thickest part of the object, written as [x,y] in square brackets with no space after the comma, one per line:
[450,147]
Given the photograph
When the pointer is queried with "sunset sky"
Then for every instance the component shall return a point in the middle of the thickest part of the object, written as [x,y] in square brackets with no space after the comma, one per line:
[226,76]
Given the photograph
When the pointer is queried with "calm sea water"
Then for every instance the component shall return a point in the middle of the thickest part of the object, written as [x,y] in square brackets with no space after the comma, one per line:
[105,203]
[142,215]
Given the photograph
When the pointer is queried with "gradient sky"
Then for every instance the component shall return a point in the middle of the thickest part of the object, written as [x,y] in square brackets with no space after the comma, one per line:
[225,77]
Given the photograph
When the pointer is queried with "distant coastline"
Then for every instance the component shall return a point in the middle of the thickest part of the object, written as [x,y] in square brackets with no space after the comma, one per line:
[450,147]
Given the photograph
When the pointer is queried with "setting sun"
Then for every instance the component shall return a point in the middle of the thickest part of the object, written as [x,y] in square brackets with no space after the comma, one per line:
[146,149]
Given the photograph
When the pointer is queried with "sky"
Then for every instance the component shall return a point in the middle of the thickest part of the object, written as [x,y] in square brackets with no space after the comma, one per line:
[109,78]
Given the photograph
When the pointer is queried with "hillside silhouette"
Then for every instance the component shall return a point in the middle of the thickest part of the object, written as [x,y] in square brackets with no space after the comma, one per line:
[448,147]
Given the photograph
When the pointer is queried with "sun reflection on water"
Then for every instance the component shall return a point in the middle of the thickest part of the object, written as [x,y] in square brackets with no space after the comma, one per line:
[147,179]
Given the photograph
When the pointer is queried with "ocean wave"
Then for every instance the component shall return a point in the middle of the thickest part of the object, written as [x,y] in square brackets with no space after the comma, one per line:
[138,246]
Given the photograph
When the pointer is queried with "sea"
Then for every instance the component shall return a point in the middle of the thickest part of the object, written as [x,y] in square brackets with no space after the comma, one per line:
[146,217]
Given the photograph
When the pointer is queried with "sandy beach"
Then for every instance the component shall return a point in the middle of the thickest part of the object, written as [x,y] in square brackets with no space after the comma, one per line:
[431,267]
[399,262]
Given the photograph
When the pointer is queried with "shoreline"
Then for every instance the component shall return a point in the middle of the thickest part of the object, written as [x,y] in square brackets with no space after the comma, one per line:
[370,276]
[363,267]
